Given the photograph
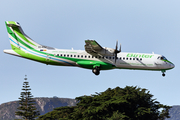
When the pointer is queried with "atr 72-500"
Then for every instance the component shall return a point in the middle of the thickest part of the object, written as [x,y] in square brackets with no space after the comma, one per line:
[94,56]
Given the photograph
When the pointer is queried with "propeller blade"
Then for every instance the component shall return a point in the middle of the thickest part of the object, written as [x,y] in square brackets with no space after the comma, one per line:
[120,48]
[116,45]
[115,57]
[116,50]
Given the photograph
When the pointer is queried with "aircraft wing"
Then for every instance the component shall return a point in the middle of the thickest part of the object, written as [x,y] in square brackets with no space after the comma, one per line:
[92,47]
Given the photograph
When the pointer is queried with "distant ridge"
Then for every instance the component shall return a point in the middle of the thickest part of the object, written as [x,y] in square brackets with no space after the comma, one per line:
[174,112]
[43,104]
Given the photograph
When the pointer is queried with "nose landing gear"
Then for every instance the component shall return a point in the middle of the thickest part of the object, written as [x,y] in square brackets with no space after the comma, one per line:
[163,73]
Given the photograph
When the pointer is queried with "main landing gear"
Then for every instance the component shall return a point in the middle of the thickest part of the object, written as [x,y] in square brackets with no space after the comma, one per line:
[96,70]
[163,73]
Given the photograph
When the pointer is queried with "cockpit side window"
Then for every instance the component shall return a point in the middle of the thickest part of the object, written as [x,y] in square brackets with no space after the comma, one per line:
[161,58]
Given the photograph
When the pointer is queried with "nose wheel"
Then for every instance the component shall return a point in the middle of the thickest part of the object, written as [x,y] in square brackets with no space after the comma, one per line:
[163,73]
[96,70]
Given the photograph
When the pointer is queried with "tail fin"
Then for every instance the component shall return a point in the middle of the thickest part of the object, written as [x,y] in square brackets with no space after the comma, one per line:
[18,38]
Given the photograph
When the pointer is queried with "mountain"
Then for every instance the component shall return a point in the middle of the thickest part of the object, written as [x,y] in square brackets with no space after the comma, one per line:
[174,112]
[44,105]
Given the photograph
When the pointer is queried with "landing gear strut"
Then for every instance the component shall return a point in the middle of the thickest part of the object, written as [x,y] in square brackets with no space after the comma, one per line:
[96,70]
[163,73]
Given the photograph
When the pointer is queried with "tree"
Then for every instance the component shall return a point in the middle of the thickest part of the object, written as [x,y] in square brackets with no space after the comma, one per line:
[27,107]
[129,103]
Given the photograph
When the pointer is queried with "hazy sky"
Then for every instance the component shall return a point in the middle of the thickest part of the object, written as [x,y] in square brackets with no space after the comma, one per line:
[140,26]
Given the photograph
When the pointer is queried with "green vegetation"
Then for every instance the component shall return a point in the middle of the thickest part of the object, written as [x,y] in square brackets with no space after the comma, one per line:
[129,103]
[27,107]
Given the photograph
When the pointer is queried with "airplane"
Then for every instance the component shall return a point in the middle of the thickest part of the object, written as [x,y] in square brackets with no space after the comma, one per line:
[94,57]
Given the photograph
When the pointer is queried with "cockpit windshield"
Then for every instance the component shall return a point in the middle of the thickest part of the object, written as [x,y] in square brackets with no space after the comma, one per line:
[162,58]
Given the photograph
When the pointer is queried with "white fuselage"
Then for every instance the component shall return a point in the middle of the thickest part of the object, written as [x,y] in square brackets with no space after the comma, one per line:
[125,60]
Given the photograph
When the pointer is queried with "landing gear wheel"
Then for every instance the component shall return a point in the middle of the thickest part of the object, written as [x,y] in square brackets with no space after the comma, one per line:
[96,70]
[163,75]
[163,72]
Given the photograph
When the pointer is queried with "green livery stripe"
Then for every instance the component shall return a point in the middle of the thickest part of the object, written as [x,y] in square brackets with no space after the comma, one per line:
[20,41]
[27,55]
[33,57]
[167,61]
[9,30]
[17,31]
[11,22]
[89,64]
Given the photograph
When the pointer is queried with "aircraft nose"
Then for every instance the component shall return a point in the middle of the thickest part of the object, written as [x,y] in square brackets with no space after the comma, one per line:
[172,65]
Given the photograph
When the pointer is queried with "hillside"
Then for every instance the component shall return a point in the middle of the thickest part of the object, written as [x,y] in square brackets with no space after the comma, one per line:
[44,105]
[174,112]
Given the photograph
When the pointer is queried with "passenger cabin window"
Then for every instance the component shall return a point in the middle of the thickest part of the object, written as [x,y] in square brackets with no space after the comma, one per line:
[137,59]
[61,55]
[74,55]
[126,58]
[57,54]
[85,56]
[81,56]
[120,58]
[71,55]
[133,58]
[64,55]
[123,58]
[67,55]
[99,57]
[89,56]
[78,56]
[130,58]
[106,57]
[109,57]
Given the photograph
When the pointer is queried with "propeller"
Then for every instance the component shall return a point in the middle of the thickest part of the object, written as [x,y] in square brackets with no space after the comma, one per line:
[116,51]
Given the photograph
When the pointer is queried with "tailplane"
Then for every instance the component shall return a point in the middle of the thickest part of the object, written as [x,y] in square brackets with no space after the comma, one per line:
[18,38]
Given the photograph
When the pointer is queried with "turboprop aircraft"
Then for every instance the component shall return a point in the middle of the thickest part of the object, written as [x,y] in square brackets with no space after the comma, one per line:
[94,56]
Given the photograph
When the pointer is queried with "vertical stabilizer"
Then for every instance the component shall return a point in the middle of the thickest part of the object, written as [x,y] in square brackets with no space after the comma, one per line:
[18,38]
